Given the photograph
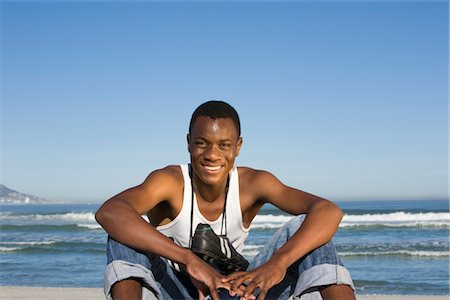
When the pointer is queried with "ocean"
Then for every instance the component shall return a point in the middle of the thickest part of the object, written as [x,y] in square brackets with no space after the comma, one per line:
[389,247]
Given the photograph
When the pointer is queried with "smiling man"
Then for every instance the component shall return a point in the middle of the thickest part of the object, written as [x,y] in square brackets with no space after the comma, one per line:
[163,259]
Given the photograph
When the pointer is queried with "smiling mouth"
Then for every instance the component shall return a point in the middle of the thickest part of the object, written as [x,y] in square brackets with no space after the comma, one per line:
[212,169]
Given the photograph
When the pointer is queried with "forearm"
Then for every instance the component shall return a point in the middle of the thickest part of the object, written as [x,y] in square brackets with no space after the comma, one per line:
[319,226]
[125,225]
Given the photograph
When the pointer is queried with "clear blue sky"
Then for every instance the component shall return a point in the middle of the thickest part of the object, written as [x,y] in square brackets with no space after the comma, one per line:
[346,100]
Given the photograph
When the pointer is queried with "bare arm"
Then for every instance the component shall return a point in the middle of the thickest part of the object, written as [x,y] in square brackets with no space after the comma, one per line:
[321,222]
[121,218]
[320,225]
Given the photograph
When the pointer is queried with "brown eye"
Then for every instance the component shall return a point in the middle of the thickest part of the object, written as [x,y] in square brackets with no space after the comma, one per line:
[200,144]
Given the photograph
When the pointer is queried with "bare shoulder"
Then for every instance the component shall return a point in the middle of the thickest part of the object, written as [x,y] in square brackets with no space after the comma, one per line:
[162,185]
[169,174]
[165,186]
[164,182]
[251,175]
[256,187]
[258,181]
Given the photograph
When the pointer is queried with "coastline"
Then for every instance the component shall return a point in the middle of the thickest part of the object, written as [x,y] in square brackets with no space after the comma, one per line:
[56,293]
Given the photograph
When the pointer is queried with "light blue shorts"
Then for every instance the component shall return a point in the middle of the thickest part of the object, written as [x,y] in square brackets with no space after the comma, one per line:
[319,268]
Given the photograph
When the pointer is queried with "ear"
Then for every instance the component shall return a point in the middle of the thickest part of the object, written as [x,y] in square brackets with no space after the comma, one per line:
[188,138]
[239,144]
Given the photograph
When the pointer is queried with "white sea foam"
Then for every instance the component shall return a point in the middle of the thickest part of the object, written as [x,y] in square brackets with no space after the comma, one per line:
[441,219]
[90,226]
[68,217]
[12,246]
[31,243]
[269,221]
[9,249]
[398,252]
[48,219]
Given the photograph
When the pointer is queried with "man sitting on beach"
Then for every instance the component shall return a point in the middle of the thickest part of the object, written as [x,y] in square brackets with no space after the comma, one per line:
[144,260]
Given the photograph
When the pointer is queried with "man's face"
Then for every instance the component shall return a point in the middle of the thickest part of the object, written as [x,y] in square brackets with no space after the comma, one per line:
[213,145]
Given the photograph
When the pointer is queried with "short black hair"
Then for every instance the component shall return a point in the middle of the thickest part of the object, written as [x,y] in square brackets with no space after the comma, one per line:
[215,109]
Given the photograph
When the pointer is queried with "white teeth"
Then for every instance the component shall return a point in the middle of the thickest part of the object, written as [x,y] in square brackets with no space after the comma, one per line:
[212,168]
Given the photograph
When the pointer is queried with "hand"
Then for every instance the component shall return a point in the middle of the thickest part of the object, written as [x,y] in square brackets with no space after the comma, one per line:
[264,277]
[205,279]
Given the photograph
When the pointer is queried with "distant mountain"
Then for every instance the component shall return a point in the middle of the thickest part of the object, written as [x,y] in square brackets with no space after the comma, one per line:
[8,196]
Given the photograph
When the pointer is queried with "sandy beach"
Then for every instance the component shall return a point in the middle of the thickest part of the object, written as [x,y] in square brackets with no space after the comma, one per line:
[47,293]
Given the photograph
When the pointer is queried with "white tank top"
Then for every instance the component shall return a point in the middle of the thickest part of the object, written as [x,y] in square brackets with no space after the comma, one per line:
[178,228]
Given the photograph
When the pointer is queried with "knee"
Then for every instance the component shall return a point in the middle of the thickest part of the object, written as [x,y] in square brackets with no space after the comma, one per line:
[337,291]
[130,288]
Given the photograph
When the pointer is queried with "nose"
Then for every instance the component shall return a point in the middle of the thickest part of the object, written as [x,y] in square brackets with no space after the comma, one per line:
[212,153]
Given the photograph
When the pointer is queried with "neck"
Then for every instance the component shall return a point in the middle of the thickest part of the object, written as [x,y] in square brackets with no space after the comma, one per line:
[209,193]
